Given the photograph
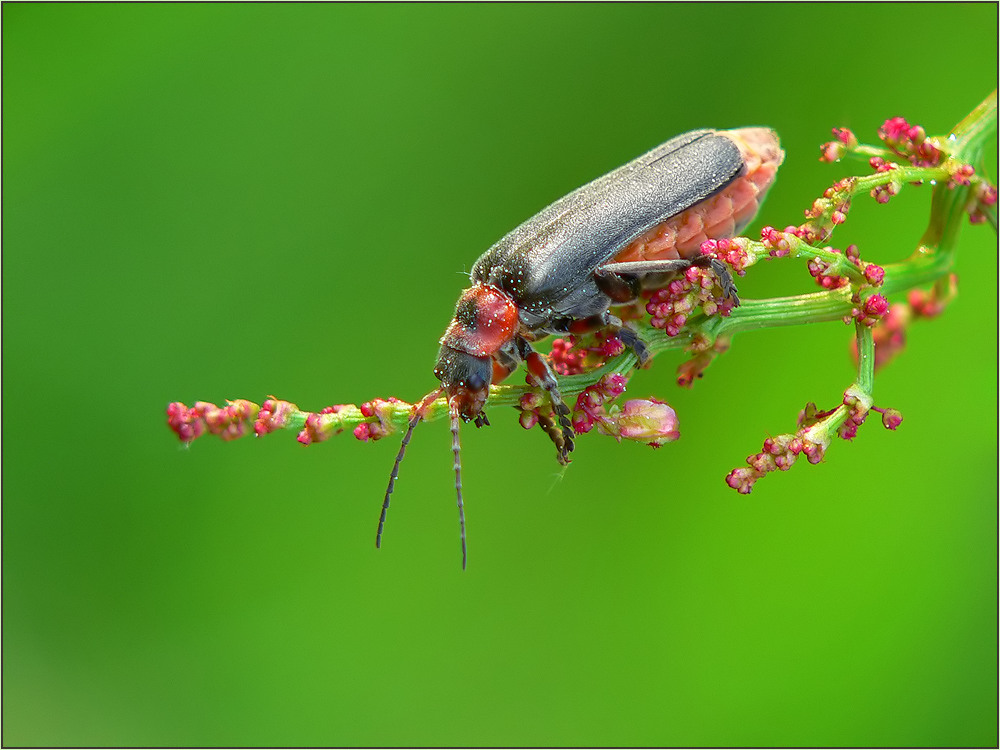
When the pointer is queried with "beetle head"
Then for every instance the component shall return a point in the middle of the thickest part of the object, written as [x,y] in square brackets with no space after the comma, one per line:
[466,380]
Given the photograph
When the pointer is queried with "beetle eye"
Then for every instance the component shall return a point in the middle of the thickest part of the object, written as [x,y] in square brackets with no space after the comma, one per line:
[476,382]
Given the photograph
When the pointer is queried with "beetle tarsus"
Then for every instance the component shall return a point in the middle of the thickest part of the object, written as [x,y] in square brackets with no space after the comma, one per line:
[725,277]
[631,339]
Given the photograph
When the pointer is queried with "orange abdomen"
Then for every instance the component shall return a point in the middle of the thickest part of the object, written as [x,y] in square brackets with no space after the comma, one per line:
[725,214]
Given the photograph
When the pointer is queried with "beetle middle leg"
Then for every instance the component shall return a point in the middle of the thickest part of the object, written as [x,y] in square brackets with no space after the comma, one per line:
[606,321]
[618,280]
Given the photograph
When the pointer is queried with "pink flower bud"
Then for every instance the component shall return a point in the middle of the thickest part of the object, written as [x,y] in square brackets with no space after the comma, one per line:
[926,155]
[813,451]
[894,130]
[582,423]
[891,418]
[876,306]
[611,348]
[566,360]
[228,422]
[731,251]
[742,480]
[186,423]
[273,415]
[874,274]
[318,427]
[649,421]
[530,401]
[831,152]
[846,137]
[775,241]
[984,196]
[871,311]
[762,462]
[613,385]
[382,410]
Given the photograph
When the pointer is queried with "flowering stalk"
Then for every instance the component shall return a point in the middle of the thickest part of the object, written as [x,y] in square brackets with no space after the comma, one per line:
[692,314]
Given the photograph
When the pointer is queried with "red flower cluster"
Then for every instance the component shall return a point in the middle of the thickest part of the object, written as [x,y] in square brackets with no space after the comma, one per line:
[778,453]
[826,212]
[670,306]
[780,244]
[227,422]
[589,409]
[705,352]
[321,425]
[871,311]
[882,193]
[382,410]
[932,303]
[731,251]
[571,357]
[910,142]
[984,197]
[274,415]
[811,439]
[835,150]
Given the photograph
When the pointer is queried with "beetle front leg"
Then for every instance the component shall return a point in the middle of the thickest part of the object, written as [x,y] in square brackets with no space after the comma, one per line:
[556,435]
[541,372]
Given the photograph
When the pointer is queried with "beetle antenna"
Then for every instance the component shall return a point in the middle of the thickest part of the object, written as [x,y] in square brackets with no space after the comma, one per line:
[393,476]
[418,414]
[456,449]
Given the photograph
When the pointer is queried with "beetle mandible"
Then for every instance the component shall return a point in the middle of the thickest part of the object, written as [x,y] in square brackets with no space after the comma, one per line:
[564,268]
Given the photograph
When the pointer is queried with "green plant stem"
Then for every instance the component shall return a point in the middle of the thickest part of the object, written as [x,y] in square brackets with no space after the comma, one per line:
[866,358]
[975,129]
[930,262]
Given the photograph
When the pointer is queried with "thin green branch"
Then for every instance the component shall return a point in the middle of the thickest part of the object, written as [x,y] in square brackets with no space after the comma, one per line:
[930,262]
[975,130]
[866,357]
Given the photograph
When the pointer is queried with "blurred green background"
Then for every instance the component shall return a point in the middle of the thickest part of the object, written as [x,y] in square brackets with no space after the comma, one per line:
[228,201]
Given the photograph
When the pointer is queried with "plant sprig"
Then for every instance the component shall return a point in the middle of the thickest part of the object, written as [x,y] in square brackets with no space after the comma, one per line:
[594,369]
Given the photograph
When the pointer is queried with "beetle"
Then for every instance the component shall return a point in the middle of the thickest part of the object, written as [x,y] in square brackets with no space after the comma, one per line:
[563,270]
